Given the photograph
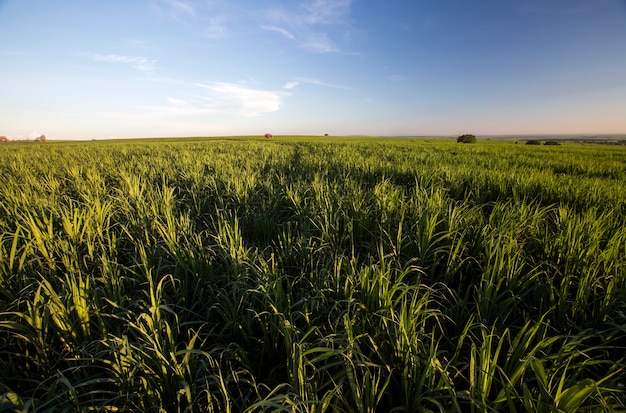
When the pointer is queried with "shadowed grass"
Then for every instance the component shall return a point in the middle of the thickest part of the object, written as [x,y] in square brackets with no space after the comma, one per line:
[313,275]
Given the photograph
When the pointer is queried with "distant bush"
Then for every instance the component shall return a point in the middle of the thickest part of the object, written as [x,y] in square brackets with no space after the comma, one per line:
[552,143]
[533,142]
[467,138]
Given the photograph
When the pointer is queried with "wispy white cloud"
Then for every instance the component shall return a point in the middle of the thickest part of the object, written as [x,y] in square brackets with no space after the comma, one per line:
[317,82]
[290,85]
[326,11]
[248,79]
[218,100]
[177,102]
[235,99]
[320,44]
[140,63]
[280,30]
[215,28]
[308,23]
[311,25]
[317,42]
[176,9]
[207,18]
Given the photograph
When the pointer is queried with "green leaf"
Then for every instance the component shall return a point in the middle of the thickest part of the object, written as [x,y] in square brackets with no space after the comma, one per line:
[573,397]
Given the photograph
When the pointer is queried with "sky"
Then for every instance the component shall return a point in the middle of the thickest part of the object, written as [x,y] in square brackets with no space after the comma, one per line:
[93,69]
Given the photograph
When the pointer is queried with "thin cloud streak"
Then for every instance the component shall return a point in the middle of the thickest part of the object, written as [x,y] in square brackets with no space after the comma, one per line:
[312,41]
[327,11]
[304,25]
[284,32]
[319,43]
[317,82]
[140,63]
[174,8]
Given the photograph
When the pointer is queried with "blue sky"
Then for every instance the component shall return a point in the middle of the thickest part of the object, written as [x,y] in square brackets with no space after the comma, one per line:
[82,69]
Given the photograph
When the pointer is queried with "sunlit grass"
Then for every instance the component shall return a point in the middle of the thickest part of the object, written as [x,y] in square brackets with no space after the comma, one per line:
[312,274]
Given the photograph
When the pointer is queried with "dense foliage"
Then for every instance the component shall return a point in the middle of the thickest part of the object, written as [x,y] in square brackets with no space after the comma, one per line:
[467,138]
[312,275]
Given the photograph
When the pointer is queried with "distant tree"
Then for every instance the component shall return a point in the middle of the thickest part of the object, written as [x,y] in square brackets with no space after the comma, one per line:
[467,138]
[4,139]
[552,143]
[41,139]
[533,142]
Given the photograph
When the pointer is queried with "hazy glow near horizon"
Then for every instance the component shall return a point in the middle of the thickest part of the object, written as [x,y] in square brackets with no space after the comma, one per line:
[80,69]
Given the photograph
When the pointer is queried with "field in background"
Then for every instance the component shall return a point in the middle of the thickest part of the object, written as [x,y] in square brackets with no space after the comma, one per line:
[312,274]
